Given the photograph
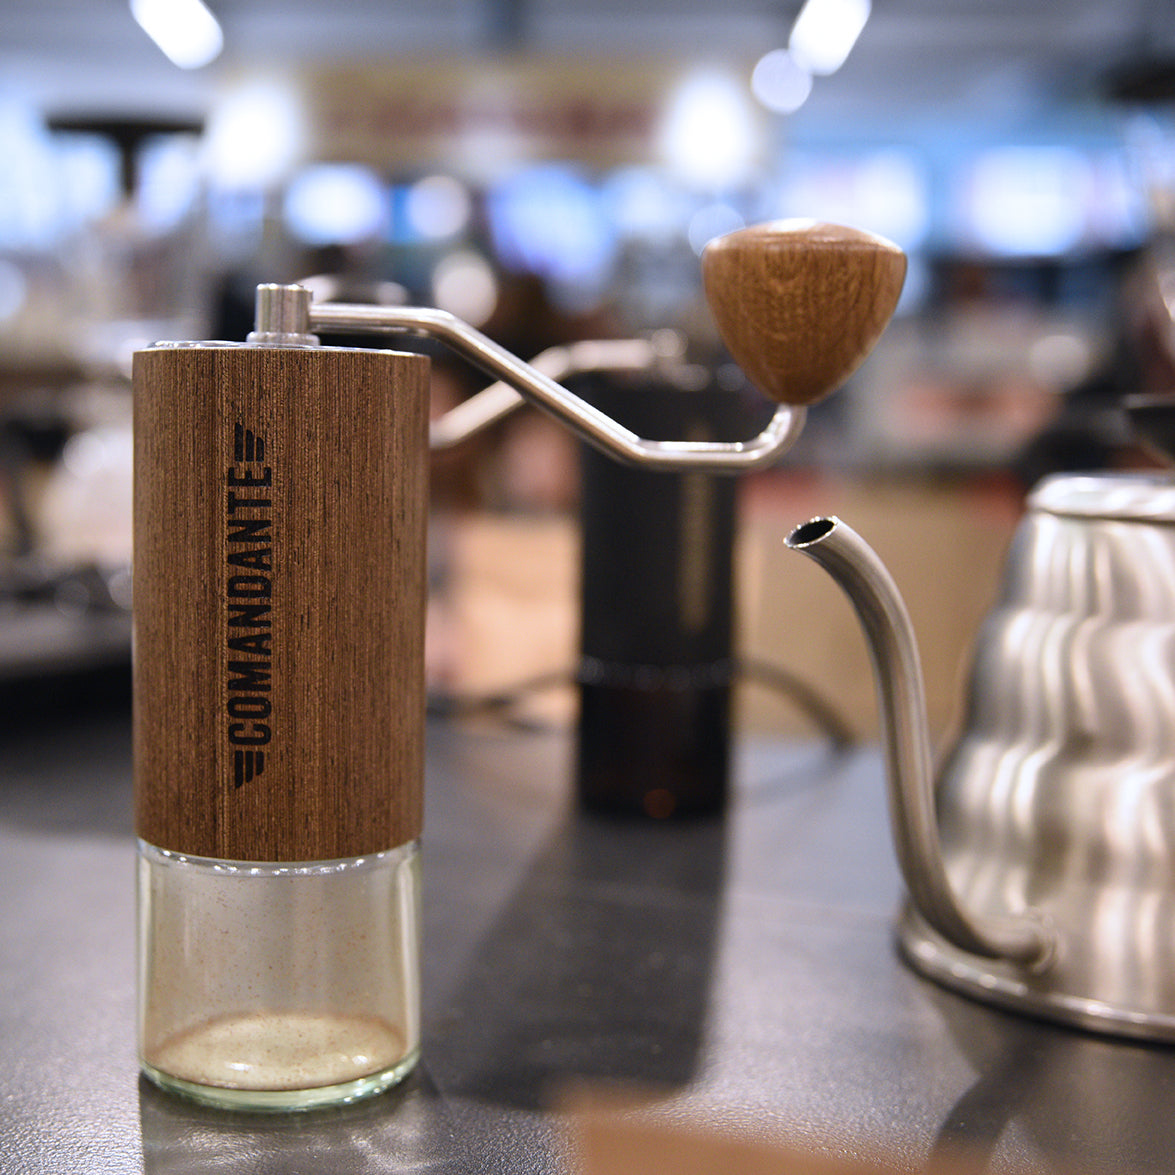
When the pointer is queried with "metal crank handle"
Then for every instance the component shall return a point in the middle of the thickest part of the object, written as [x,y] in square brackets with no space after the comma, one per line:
[799,305]
[285,316]
[500,399]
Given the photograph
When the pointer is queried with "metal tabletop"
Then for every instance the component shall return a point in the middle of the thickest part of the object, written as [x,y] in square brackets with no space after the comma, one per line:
[741,971]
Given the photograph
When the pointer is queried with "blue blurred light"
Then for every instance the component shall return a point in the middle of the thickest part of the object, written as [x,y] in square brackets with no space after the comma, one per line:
[714,220]
[548,221]
[169,182]
[437,207]
[780,82]
[643,204]
[1027,201]
[335,204]
[884,191]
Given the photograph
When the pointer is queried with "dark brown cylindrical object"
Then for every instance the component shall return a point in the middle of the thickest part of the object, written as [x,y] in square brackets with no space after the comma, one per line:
[280,513]
[657,617]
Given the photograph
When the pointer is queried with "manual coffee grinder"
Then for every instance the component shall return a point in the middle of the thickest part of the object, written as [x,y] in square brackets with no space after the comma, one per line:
[280,507]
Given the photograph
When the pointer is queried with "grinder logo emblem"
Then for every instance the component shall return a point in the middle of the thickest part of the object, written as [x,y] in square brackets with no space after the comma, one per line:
[249,596]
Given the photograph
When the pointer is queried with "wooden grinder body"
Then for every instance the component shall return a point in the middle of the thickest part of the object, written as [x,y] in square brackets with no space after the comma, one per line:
[279,580]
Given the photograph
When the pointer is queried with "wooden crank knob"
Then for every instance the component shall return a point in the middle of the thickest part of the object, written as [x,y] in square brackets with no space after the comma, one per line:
[800,304]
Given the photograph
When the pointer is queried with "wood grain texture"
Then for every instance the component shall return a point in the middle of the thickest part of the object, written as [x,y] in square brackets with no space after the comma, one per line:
[800,304]
[279,581]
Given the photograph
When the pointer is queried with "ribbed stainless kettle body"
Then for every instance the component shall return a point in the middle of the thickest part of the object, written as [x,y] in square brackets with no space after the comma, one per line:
[1059,794]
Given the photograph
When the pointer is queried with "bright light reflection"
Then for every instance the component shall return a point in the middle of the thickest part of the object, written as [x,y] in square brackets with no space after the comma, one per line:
[254,135]
[780,82]
[88,178]
[825,33]
[1029,201]
[550,221]
[708,136]
[885,192]
[169,182]
[1060,360]
[641,203]
[184,29]
[33,211]
[438,206]
[464,284]
[894,196]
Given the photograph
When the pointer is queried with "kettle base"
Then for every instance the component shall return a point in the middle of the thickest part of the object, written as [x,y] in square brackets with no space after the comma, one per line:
[1015,989]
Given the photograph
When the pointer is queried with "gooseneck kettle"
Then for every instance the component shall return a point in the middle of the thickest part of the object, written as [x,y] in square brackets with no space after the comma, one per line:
[1040,861]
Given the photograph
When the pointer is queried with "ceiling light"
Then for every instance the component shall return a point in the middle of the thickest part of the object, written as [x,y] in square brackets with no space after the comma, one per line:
[185,30]
[709,136]
[826,31]
[255,134]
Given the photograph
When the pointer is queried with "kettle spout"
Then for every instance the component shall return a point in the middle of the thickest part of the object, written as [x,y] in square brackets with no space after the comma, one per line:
[836,547]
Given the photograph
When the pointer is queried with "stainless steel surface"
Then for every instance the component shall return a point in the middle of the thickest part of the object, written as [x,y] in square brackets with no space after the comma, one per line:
[842,552]
[1111,497]
[282,317]
[743,972]
[593,426]
[1058,793]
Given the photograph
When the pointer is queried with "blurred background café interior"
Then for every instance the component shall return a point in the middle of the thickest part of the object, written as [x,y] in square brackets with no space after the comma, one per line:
[550,171]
